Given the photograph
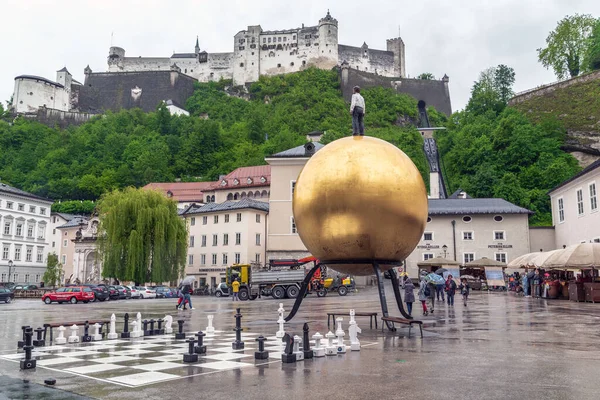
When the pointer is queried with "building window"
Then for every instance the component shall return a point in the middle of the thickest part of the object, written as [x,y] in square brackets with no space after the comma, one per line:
[239,217]
[238,238]
[292,64]
[191,259]
[41,231]
[53,244]
[427,256]
[37,278]
[29,230]
[561,210]
[498,218]
[428,236]
[278,65]
[241,64]
[292,188]
[29,254]
[467,218]
[215,239]
[593,199]
[64,259]
[9,205]
[258,218]
[258,239]
[65,243]
[293,225]
[226,218]
[5,251]
[3,277]
[237,258]
[500,257]
[214,259]
[40,254]
[15,278]
[216,219]
[193,221]
[19,229]
[204,220]
[26,278]
[499,235]
[21,207]
[580,202]
[32,209]
[468,235]
[191,241]
[202,259]
[224,258]
[257,258]
[468,257]
[7,226]
[225,239]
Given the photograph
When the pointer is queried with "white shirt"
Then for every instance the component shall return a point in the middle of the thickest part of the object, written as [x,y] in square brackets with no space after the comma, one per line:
[357,100]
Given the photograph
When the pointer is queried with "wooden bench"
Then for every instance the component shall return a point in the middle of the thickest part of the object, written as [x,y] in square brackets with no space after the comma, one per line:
[404,321]
[68,324]
[371,315]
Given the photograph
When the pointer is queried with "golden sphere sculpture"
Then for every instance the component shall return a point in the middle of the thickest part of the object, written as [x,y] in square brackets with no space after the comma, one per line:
[360,198]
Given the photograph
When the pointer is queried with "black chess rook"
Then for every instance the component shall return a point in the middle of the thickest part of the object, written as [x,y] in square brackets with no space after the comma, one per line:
[261,354]
[160,330]
[39,342]
[201,348]
[288,355]
[126,334]
[190,357]
[28,362]
[21,342]
[180,334]
[86,333]
[308,353]
[152,321]
[238,344]
[146,331]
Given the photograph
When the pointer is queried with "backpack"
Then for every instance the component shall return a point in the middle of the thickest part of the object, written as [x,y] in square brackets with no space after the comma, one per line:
[427,292]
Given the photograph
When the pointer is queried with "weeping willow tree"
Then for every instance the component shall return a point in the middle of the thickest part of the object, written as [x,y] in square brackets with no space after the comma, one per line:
[142,238]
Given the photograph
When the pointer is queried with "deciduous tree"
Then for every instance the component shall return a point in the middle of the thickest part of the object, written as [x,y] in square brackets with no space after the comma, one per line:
[54,271]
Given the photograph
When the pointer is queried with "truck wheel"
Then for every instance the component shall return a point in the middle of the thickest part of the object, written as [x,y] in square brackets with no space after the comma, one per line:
[218,294]
[253,297]
[322,293]
[292,291]
[278,292]
[243,294]
[343,290]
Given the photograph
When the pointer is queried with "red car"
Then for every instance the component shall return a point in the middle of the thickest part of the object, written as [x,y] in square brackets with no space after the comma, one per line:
[71,294]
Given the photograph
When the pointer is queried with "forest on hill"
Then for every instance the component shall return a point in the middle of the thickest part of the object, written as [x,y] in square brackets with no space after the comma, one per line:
[223,132]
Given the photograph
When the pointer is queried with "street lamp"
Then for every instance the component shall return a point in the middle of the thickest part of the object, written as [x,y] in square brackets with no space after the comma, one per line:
[445,248]
[10,265]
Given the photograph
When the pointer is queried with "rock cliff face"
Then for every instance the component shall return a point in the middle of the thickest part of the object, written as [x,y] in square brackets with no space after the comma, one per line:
[576,104]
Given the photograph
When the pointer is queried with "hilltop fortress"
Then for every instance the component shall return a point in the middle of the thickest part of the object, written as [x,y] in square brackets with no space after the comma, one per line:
[257,52]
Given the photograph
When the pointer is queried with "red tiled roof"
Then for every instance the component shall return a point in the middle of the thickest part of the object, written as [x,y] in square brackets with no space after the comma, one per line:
[183,191]
[242,174]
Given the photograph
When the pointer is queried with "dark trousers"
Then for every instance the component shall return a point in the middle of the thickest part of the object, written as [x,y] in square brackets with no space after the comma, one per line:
[439,292]
[450,299]
[358,125]
[409,308]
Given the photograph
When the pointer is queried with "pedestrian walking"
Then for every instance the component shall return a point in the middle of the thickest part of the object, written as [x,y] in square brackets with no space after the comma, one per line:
[409,293]
[464,290]
[424,294]
[537,281]
[450,290]
[357,110]
[186,291]
[235,289]
[181,299]
[431,297]
[525,284]
[439,291]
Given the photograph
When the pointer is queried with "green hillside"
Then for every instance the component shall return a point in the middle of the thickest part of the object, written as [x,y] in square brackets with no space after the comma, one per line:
[132,148]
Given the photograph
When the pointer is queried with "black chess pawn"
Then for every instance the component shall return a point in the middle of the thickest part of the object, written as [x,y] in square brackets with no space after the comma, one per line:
[146,331]
[21,342]
[160,330]
[238,344]
[180,334]
[126,334]
[39,342]
[288,355]
[86,333]
[308,353]
[201,348]
[28,362]
[261,354]
[190,357]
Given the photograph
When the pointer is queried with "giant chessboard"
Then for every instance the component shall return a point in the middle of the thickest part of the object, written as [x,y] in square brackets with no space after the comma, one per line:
[151,359]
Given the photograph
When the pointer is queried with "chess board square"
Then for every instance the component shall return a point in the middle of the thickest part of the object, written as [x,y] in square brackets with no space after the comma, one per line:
[226,356]
[143,378]
[50,348]
[14,356]
[135,352]
[170,357]
[90,369]
[222,365]
[159,366]
[112,359]
[274,348]
[227,349]
[275,355]
[56,361]
[78,353]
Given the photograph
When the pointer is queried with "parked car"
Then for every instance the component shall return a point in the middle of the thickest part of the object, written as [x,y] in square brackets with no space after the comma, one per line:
[124,293]
[163,292]
[113,292]
[135,294]
[71,294]
[25,287]
[222,290]
[101,292]
[146,292]
[6,295]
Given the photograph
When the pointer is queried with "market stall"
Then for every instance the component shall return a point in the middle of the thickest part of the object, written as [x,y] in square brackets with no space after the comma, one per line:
[491,271]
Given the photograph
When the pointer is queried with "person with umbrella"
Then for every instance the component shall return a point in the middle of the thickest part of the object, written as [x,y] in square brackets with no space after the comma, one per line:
[537,281]
[409,293]
[464,290]
[424,292]
[450,290]
[439,286]
[186,290]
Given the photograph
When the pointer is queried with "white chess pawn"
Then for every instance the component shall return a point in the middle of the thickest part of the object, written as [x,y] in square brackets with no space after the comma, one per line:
[113,328]
[61,339]
[318,349]
[281,332]
[96,336]
[330,349]
[210,329]
[341,348]
[168,325]
[298,349]
[353,331]
[138,319]
[74,338]
[134,330]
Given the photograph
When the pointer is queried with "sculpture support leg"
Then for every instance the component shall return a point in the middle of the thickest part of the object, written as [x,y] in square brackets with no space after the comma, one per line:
[302,293]
[396,286]
[382,299]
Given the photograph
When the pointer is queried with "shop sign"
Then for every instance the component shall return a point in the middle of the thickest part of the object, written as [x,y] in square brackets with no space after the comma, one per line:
[500,246]
[429,247]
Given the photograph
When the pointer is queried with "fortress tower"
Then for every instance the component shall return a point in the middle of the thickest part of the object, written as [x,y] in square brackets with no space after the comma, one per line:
[115,59]
[328,41]
[246,55]
[396,46]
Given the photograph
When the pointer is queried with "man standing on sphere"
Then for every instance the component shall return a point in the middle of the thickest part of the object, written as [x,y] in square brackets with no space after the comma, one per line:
[357,110]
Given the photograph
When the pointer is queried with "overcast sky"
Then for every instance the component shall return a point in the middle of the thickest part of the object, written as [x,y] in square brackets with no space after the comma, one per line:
[459,38]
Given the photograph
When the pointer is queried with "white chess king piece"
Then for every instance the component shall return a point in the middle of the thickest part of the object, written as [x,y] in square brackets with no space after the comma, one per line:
[341,348]
[168,324]
[353,331]
[96,337]
[61,339]
[74,338]
[281,332]
[210,329]
[330,349]
[113,328]
[318,349]
[298,349]
[138,318]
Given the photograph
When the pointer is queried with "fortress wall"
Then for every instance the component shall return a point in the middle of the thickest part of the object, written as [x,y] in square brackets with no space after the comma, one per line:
[543,90]
[30,94]
[379,62]
[142,64]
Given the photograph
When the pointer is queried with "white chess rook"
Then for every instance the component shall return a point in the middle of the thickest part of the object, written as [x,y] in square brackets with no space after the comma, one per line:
[341,348]
[134,330]
[168,324]
[210,329]
[74,338]
[330,349]
[353,331]
[281,321]
[318,349]
[113,328]
[61,339]
[96,337]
